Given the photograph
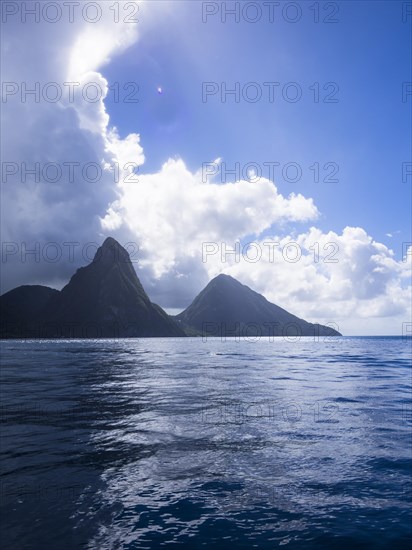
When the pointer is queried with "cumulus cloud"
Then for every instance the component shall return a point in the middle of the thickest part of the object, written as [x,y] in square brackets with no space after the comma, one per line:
[71,136]
[173,212]
[345,278]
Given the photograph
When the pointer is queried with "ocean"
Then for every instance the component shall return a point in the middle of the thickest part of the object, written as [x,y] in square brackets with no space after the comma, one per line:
[185,443]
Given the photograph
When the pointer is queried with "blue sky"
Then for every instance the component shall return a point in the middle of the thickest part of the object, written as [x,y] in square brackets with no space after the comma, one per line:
[170,212]
[367,133]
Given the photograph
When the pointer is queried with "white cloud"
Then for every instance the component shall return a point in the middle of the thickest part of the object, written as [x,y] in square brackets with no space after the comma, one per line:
[173,212]
[34,209]
[353,281]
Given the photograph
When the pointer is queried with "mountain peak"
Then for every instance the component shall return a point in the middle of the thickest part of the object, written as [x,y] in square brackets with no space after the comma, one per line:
[223,278]
[111,252]
[110,242]
[227,307]
[102,299]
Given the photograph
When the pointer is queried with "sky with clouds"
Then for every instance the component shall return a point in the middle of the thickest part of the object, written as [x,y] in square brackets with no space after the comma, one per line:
[271,143]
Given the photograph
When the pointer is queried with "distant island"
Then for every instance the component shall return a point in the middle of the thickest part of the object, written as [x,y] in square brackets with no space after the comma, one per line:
[105,299]
[228,308]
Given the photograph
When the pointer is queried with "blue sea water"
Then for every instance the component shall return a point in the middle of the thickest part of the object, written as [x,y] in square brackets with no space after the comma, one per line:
[181,443]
